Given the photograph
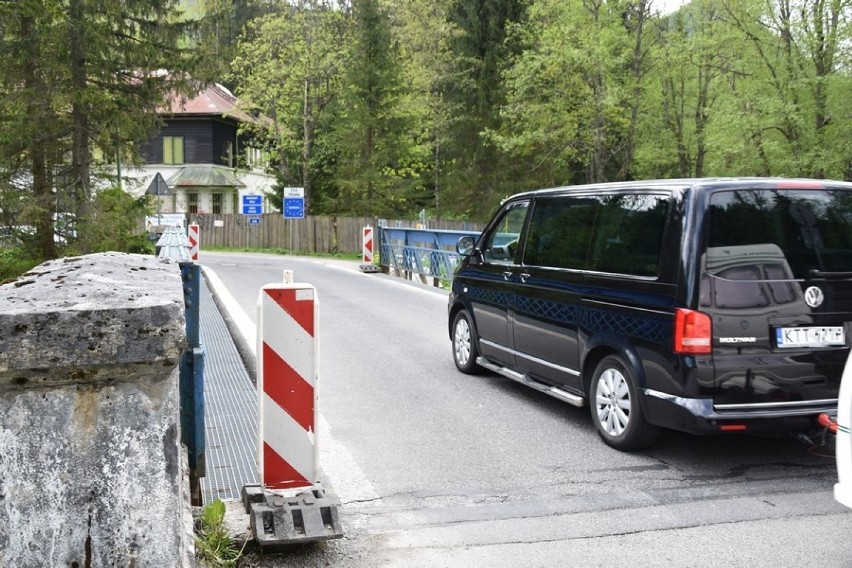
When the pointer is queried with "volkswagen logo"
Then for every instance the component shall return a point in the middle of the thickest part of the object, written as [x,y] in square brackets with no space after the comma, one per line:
[814,297]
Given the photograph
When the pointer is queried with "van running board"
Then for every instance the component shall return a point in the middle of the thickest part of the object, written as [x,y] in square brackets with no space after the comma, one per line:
[524,379]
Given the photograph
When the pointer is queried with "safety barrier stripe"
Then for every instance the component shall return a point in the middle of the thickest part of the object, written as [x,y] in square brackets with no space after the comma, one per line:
[287,452]
[192,236]
[367,254]
[285,334]
[288,389]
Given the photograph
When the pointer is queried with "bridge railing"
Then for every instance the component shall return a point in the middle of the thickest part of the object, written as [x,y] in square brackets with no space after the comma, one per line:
[425,253]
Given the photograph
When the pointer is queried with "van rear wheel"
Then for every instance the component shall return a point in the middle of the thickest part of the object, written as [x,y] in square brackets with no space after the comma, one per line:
[465,344]
[616,410]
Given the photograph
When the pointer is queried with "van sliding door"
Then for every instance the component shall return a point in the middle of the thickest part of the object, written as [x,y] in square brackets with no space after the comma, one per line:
[547,298]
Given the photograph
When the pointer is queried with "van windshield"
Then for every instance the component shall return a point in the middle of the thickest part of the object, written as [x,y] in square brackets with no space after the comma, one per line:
[811,230]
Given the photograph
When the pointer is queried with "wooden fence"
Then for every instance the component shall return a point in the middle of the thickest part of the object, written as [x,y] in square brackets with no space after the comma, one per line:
[313,234]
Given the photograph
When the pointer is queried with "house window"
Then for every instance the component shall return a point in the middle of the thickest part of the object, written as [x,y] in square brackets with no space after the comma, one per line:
[192,198]
[256,158]
[217,203]
[172,149]
[229,154]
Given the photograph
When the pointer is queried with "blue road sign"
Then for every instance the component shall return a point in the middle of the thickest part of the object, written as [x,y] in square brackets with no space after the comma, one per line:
[294,207]
[254,220]
[252,205]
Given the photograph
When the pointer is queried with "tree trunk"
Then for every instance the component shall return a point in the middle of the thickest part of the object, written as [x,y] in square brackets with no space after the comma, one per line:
[80,174]
[44,199]
[308,143]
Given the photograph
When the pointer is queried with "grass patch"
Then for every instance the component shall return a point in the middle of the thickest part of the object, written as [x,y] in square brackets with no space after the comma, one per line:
[281,251]
[214,547]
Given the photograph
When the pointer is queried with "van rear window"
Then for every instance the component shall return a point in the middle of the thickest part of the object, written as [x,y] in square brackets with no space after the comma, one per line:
[811,227]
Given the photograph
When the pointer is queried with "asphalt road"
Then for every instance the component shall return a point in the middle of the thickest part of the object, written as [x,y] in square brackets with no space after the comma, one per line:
[435,468]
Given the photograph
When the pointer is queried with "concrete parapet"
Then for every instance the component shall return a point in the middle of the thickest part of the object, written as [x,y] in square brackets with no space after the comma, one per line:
[90,458]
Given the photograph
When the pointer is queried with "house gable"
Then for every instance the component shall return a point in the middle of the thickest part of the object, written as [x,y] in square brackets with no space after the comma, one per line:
[206,140]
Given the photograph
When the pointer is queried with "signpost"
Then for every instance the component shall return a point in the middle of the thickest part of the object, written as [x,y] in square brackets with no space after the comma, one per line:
[252,205]
[294,202]
[294,207]
[160,188]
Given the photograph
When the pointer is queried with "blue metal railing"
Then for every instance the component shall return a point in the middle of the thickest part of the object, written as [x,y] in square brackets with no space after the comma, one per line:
[426,252]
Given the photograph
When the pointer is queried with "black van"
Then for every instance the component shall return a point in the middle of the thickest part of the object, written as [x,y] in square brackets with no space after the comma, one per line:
[701,305]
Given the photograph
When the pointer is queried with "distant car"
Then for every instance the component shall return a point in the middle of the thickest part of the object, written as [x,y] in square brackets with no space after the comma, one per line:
[702,305]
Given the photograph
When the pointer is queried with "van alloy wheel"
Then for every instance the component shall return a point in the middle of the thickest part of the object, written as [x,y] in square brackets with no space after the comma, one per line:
[612,398]
[461,342]
[465,349]
[616,409]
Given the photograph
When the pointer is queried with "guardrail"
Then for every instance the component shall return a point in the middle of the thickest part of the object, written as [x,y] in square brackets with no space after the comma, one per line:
[422,252]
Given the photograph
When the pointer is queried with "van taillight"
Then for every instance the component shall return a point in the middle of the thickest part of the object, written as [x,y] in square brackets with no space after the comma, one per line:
[693,332]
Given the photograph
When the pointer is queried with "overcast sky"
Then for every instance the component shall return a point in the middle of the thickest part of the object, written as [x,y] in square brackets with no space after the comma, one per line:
[667,6]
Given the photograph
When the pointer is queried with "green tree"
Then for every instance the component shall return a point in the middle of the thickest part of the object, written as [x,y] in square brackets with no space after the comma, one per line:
[695,56]
[78,75]
[424,34]
[376,169]
[797,45]
[478,172]
[288,72]
[31,35]
[576,89]
[221,22]
[117,222]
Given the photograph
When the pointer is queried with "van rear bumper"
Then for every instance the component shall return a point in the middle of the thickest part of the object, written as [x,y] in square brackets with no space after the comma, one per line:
[700,415]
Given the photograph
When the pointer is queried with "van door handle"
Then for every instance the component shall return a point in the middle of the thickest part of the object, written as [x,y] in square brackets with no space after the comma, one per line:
[508,275]
[524,277]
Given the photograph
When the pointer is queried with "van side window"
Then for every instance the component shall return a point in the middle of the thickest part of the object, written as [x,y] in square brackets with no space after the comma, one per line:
[610,233]
[560,232]
[629,234]
[501,243]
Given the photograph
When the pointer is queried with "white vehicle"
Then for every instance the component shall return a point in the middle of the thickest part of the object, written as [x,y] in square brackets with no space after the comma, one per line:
[843,487]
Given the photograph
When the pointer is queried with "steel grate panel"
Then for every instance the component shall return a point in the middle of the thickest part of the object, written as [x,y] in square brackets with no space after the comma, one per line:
[230,410]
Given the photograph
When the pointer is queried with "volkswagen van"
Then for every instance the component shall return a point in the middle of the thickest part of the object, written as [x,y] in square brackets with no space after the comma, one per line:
[700,305]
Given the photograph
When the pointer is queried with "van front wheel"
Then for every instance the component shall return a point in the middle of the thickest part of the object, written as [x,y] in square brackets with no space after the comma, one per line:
[465,350]
[615,406]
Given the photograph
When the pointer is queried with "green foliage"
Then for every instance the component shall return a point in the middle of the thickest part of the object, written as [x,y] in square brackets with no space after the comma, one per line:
[214,546]
[288,69]
[376,167]
[76,76]
[117,223]
[389,107]
[14,261]
[480,173]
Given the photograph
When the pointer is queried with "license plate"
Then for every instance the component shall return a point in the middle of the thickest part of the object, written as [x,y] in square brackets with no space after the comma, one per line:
[810,336]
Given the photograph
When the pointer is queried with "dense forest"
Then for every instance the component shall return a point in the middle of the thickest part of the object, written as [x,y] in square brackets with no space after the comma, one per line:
[391,107]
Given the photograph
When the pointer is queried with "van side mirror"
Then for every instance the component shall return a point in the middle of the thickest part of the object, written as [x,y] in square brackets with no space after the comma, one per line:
[465,246]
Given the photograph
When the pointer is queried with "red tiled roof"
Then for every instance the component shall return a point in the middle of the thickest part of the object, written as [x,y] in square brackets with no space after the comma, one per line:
[212,99]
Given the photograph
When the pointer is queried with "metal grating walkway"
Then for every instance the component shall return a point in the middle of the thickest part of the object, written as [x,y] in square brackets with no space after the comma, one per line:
[230,410]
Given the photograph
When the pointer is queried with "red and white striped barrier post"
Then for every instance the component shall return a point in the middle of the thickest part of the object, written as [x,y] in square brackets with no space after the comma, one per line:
[192,235]
[367,249]
[288,315]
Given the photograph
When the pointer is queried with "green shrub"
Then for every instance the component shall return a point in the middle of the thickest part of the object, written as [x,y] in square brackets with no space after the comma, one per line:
[15,261]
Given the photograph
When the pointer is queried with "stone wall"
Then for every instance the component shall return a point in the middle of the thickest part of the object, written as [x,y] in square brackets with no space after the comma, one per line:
[90,458]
